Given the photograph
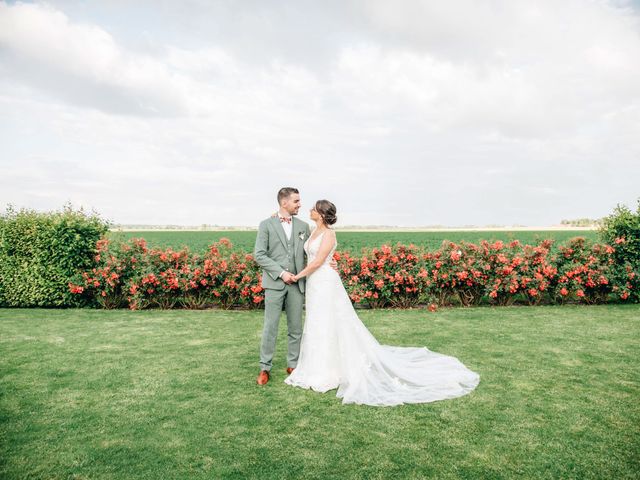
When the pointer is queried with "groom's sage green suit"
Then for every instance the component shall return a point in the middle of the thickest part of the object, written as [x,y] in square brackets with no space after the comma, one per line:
[276,253]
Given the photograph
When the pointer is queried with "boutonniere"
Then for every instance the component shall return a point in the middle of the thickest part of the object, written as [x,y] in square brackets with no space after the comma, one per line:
[301,235]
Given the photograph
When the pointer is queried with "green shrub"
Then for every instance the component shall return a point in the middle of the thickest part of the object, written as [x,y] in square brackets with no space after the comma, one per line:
[41,252]
[621,230]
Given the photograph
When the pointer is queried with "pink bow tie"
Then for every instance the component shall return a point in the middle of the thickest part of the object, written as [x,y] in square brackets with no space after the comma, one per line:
[285,219]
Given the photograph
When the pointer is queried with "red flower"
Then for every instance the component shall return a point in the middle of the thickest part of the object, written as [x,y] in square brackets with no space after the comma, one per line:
[580,293]
[355,297]
[75,288]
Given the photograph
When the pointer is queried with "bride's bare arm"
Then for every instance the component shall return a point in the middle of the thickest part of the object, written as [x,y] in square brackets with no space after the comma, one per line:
[327,243]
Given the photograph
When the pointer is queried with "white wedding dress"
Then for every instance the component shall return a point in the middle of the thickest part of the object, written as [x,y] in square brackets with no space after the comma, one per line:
[337,351]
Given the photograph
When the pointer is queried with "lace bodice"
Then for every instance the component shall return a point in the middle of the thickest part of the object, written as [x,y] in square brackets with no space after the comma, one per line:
[311,246]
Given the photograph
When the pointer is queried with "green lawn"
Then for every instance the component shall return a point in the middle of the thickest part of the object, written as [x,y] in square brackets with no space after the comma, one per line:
[172,394]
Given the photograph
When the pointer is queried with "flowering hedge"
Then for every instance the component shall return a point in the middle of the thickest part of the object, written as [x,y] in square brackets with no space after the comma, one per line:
[131,274]
[135,276]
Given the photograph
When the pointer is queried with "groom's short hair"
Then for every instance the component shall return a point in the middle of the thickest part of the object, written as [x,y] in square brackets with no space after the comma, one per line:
[285,192]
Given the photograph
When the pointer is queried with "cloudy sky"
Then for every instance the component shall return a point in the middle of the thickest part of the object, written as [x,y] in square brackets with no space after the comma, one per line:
[401,112]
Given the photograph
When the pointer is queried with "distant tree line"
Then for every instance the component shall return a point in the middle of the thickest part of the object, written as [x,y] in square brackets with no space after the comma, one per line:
[583,222]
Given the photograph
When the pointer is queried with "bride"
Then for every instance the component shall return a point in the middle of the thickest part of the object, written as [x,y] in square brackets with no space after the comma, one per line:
[338,351]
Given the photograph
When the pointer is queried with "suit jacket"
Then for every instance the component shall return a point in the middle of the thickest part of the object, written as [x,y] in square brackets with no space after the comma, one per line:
[270,250]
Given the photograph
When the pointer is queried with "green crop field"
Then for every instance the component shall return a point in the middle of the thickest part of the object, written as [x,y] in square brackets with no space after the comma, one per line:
[352,241]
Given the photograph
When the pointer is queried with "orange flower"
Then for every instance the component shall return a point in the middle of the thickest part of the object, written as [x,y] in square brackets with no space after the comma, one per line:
[75,288]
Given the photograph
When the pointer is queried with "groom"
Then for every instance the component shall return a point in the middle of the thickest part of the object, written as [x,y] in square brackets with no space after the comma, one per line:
[279,251]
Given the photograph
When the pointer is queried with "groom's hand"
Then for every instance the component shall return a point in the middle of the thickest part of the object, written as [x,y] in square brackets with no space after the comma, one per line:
[288,278]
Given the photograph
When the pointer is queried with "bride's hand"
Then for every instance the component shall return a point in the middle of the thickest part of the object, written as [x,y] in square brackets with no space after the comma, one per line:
[334,264]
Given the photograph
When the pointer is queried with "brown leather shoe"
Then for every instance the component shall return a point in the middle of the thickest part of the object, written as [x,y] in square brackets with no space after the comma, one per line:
[290,370]
[263,377]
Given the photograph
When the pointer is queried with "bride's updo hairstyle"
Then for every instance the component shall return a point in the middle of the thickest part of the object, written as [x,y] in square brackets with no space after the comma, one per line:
[327,211]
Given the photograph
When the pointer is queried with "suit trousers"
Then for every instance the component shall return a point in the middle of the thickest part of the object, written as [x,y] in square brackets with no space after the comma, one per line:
[293,300]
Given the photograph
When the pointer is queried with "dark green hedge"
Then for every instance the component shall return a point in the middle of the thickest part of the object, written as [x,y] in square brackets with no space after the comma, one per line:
[622,230]
[41,252]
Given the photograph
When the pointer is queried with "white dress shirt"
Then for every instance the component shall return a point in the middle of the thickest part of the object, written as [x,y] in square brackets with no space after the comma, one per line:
[287,226]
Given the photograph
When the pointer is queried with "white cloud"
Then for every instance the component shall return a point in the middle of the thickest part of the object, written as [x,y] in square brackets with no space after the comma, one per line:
[410,112]
[82,63]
